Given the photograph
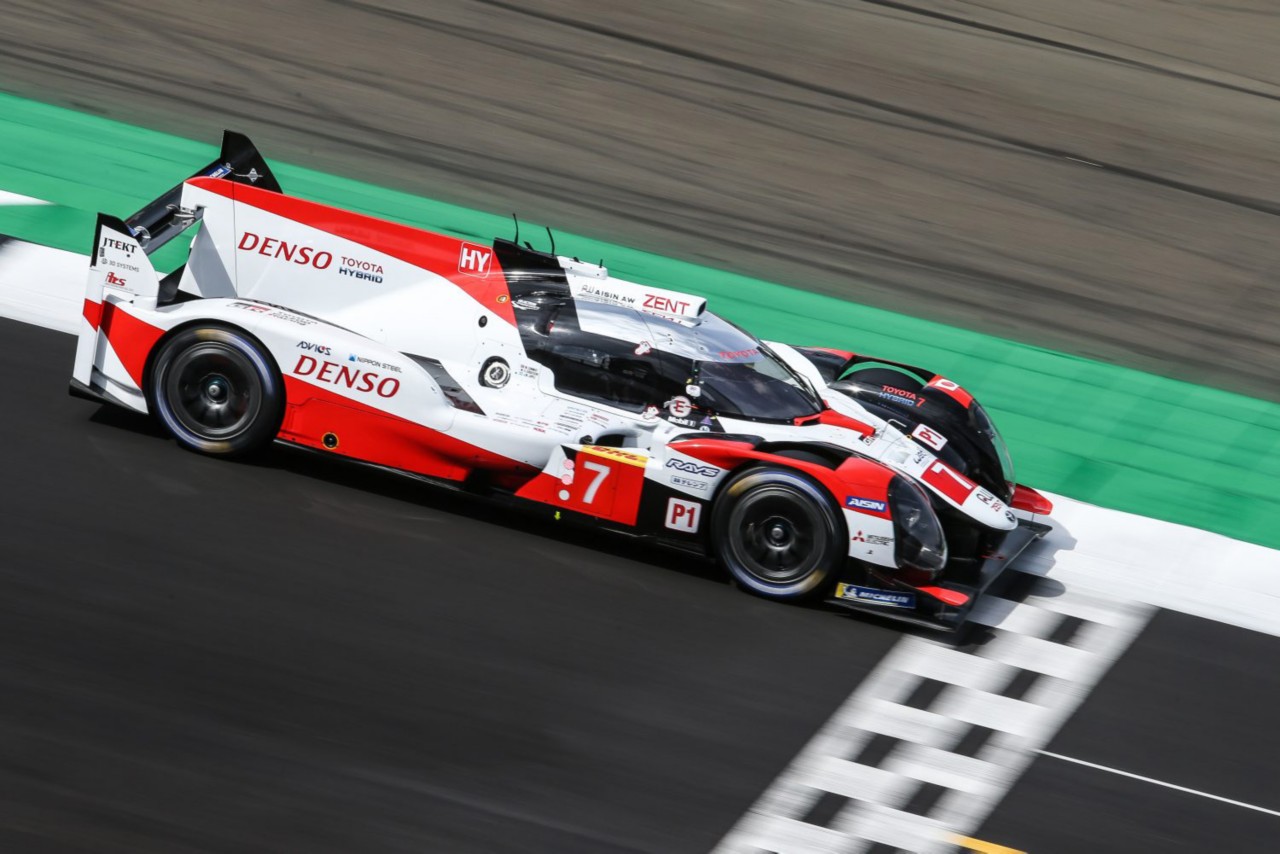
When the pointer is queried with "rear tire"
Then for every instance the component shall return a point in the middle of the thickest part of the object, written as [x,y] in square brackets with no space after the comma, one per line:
[778,533]
[216,392]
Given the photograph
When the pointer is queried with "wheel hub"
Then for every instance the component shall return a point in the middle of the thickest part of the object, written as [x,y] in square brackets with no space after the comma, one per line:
[777,533]
[212,391]
[215,388]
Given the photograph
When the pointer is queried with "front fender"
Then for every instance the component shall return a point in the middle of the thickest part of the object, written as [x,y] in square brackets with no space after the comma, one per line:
[858,486]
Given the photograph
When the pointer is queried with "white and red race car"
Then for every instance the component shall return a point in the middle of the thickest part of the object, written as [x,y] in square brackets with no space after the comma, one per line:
[540,379]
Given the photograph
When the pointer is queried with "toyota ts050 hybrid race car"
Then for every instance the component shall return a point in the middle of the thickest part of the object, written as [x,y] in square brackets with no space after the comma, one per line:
[805,472]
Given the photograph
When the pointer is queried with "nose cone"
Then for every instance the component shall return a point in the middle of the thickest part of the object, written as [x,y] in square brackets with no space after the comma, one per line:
[990,510]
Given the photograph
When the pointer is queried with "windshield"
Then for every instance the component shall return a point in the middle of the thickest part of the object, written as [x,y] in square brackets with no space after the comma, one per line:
[986,427]
[688,369]
[761,389]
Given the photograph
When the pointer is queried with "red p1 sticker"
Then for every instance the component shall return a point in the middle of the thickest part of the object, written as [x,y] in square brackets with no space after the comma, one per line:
[683,515]
[930,437]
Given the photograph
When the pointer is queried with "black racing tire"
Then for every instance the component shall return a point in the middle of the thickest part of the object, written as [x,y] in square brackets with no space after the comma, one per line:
[778,533]
[216,391]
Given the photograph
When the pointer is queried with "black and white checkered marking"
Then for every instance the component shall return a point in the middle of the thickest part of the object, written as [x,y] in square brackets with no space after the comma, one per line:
[932,740]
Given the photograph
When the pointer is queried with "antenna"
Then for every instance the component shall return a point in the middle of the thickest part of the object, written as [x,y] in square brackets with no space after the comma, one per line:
[517,221]
[552,238]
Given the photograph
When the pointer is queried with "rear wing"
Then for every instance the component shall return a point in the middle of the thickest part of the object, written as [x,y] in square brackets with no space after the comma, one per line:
[163,219]
[121,248]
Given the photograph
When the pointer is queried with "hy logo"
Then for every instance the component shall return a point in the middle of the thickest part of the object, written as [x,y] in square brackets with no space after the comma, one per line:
[474,260]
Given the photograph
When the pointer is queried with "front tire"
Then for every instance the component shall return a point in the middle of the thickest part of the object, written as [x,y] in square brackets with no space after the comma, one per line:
[778,533]
[216,392]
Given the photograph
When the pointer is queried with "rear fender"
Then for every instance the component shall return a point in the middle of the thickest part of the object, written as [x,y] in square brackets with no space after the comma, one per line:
[321,361]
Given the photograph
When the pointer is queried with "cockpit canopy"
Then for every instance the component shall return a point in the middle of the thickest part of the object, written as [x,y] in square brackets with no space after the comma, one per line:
[691,368]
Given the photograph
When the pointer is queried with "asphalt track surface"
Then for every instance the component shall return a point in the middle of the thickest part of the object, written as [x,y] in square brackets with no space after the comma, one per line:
[1099,177]
[1190,706]
[297,655]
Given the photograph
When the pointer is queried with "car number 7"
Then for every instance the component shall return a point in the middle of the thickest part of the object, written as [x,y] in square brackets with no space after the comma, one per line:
[601,472]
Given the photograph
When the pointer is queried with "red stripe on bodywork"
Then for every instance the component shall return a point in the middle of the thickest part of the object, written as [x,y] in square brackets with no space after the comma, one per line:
[426,249]
[613,486]
[93,313]
[953,598]
[844,354]
[952,390]
[130,338]
[371,435]
[832,418]
[948,481]
[855,476]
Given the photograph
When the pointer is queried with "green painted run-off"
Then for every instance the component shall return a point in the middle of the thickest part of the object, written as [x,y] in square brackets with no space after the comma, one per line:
[1104,434]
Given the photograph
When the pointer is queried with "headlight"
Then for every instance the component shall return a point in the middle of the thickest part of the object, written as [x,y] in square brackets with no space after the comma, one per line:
[920,540]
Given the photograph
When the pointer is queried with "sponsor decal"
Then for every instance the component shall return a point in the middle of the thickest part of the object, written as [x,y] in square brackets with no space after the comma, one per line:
[680,407]
[683,515]
[617,454]
[360,274]
[373,363]
[693,390]
[315,348]
[730,355]
[274,247]
[474,260]
[856,503]
[502,298]
[693,468]
[688,483]
[871,539]
[275,311]
[296,319]
[337,374]
[124,246]
[876,596]
[118,281]
[650,413]
[665,305]
[120,265]
[990,500]
[1008,514]
[928,436]
[361,265]
[599,294]
[900,395]
[644,348]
